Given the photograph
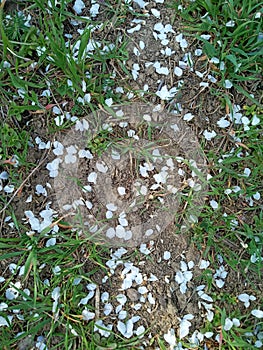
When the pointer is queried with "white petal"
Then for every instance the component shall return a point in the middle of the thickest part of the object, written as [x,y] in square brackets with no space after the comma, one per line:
[139,331]
[223,123]
[143,191]
[210,315]
[51,242]
[94,10]
[205,297]
[201,287]
[121,327]
[243,297]
[134,29]
[204,264]
[109,214]
[142,290]
[228,191]
[101,167]
[110,233]
[121,190]
[230,23]
[236,322]
[245,120]
[188,317]
[78,6]
[149,232]
[170,338]
[136,51]
[92,177]
[184,328]
[209,135]
[3,321]
[220,283]
[128,235]
[123,222]
[228,324]
[178,71]
[214,204]
[11,294]
[143,171]
[255,120]
[191,264]
[164,94]
[126,284]
[179,277]
[162,70]
[142,45]
[156,13]
[166,255]
[85,300]
[3,306]
[89,205]
[55,293]
[144,249]
[109,101]
[175,127]
[111,207]
[85,154]
[70,158]
[151,299]
[257,313]
[228,84]
[141,3]
[115,155]
[256,196]
[152,278]
[9,188]
[87,315]
[107,309]
[247,172]
[121,298]
[104,297]
[188,275]
[120,231]
[188,117]
[122,315]
[91,286]
[183,265]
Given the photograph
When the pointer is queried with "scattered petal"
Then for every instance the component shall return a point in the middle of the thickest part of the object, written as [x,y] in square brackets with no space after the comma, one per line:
[156,13]
[228,324]
[204,264]
[88,315]
[121,190]
[92,177]
[78,6]
[223,123]
[257,313]
[227,84]
[166,255]
[214,204]
[209,135]
[51,242]
[178,71]
[188,117]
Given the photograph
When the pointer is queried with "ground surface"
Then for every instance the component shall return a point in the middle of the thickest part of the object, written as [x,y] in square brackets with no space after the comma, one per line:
[163,290]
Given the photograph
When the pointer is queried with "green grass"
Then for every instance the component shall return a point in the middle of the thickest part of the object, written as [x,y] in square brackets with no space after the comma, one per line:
[240,49]
[26,53]
[235,40]
[39,262]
